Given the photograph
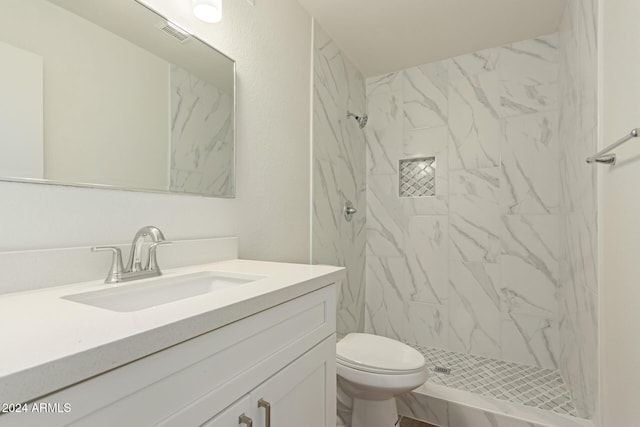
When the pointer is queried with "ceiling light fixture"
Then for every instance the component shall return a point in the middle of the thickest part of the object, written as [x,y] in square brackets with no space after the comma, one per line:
[208,10]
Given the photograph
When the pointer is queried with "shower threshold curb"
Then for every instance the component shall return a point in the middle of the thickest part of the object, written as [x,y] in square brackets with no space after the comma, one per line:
[439,405]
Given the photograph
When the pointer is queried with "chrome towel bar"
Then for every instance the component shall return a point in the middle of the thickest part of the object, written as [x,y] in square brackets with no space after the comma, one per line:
[610,159]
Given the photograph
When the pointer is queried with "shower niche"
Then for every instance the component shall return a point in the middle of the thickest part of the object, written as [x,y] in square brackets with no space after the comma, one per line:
[417,177]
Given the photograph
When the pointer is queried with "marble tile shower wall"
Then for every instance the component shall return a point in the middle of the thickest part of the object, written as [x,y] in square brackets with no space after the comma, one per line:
[578,131]
[474,269]
[339,174]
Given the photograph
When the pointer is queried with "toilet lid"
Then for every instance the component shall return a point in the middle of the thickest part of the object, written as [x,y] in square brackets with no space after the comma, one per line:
[378,353]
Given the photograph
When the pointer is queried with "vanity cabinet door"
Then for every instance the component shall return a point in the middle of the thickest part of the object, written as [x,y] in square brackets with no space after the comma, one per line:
[301,394]
[230,417]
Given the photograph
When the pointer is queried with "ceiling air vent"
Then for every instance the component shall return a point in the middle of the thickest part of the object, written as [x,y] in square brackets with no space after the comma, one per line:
[174,31]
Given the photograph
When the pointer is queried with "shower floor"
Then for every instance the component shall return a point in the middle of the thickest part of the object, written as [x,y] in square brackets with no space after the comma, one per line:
[527,385]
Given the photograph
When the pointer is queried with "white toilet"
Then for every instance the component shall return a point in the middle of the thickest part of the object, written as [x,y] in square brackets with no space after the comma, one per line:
[372,371]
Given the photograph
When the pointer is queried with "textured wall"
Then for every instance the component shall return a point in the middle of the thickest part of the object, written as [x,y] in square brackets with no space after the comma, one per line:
[271,43]
[578,134]
[619,210]
[339,175]
[475,268]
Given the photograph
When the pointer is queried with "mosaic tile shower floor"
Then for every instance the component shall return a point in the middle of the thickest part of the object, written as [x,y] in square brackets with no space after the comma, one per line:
[526,385]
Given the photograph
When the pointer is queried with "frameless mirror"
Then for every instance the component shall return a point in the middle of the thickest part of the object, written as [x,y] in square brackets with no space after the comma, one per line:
[108,93]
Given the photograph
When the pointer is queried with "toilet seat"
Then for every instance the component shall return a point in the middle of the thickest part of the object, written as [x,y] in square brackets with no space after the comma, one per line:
[378,355]
[373,370]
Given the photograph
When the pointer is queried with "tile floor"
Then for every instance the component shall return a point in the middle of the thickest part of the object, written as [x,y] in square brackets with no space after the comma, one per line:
[527,385]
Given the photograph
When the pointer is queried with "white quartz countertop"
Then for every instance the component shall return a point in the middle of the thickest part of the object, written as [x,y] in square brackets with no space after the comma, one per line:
[47,343]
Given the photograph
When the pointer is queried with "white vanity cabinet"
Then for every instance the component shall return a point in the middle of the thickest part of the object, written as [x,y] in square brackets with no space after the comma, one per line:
[296,396]
[230,417]
[284,355]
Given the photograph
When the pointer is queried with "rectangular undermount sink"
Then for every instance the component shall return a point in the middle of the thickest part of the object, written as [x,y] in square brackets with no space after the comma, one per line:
[163,290]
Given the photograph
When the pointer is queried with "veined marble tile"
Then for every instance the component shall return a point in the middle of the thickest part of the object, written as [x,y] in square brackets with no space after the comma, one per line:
[587,53]
[530,264]
[384,84]
[350,310]
[352,162]
[338,73]
[504,205]
[417,206]
[529,76]
[517,98]
[384,132]
[325,52]
[431,142]
[530,164]
[526,290]
[568,62]
[186,181]
[426,251]
[327,202]
[385,297]
[431,410]
[474,63]
[427,324]
[474,308]
[533,238]
[333,71]
[339,174]
[218,177]
[474,228]
[578,178]
[460,415]
[482,183]
[474,127]
[357,101]
[326,119]
[579,344]
[338,242]
[326,127]
[581,245]
[534,61]
[425,96]
[441,406]
[530,340]
[385,217]
[322,41]
[201,136]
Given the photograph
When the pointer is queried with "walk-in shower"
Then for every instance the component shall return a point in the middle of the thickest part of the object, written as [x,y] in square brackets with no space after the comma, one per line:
[468,267]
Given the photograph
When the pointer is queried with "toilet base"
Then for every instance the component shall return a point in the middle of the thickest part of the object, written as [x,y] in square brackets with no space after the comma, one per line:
[374,413]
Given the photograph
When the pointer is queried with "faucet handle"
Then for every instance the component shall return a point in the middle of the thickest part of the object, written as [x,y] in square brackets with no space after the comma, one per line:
[152,262]
[117,268]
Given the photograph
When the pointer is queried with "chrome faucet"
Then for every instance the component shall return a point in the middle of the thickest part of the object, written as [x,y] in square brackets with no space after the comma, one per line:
[135,270]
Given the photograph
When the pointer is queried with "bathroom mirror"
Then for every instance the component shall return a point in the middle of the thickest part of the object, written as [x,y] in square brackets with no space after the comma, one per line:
[108,93]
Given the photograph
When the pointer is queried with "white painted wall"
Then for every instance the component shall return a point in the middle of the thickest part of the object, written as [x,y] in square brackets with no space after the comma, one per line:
[619,204]
[271,43]
[21,113]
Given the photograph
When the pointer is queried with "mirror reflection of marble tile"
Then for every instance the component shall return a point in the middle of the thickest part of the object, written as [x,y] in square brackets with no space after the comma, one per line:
[201,134]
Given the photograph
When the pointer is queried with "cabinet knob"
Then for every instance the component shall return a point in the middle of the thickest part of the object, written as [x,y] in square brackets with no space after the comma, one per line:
[243,419]
[267,411]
